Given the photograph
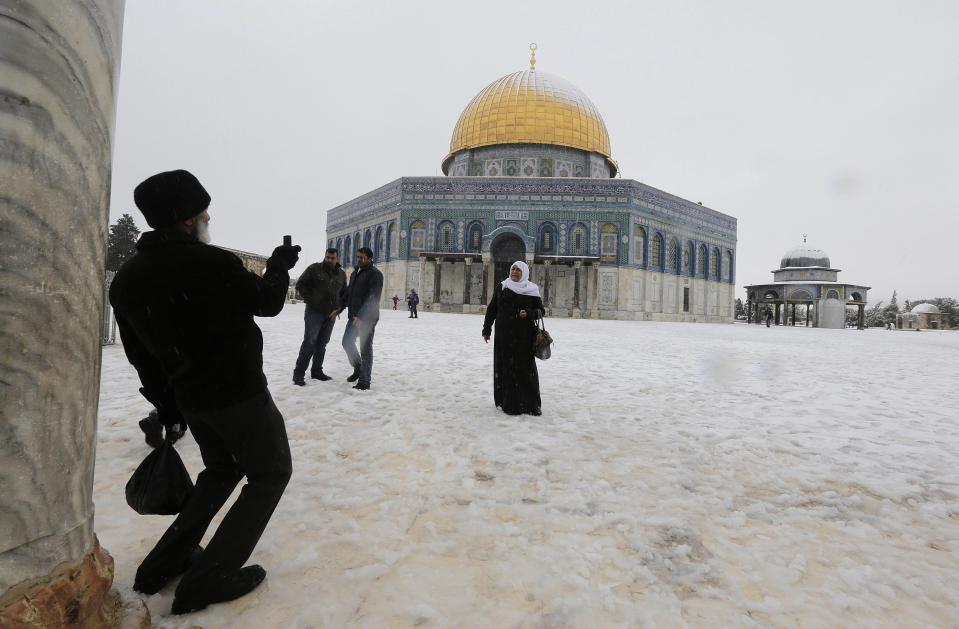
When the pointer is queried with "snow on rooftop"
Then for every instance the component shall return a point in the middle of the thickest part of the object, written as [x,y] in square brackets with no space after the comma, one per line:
[681,475]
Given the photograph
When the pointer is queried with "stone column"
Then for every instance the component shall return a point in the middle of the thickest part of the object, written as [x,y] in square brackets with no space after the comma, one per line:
[437,285]
[576,289]
[60,63]
[546,265]
[592,291]
[467,280]
[488,279]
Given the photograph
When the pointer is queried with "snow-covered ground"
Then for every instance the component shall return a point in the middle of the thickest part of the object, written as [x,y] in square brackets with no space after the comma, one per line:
[680,475]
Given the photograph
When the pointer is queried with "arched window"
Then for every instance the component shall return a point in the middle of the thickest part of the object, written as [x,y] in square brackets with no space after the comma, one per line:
[357,243]
[474,240]
[639,245]
[672,255]
[656,251]
[444,236]
[368,239]
[701,260]
[391,242]
[347,251]
[339,247]
[417,236]
[728,270]
[379,251]
[608,237]
[714,263]
[547,239]
[577,239]
[687,257]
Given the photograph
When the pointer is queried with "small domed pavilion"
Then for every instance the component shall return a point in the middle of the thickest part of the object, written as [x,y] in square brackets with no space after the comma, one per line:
[921,317]
[805,277]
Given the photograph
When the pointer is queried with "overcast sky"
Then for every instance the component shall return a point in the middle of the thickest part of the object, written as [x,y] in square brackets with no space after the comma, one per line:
[835,119]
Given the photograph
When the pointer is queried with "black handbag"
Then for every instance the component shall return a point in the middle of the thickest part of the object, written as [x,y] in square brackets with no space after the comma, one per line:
[161,483]
[542,342]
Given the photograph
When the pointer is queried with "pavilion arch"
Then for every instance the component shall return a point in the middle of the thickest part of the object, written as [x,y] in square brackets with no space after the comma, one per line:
[445,236]
[832,293]
[546,241]
[855,296]
[656,251]
[474,237]
[800,295]
[770,294]
[639,245]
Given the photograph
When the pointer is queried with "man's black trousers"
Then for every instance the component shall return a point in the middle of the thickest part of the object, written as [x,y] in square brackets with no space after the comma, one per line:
[248,439]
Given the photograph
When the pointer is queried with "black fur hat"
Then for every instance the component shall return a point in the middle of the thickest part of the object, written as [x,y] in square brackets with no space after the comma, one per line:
[168,198]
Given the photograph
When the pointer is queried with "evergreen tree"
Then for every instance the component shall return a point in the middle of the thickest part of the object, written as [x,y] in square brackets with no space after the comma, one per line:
[876,316]
[740,309]
[122,241]
[889,312]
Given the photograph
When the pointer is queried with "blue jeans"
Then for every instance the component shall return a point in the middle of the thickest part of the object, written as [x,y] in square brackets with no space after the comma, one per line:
[318,328]
[362,360]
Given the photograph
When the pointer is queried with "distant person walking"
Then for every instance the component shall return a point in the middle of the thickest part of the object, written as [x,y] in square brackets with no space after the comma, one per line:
[514,308]
[411,301]
[185,312]
[363,303]
[396,300]
[323,288]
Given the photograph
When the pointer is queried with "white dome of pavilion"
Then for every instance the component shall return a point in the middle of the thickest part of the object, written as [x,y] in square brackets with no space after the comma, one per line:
[925,309]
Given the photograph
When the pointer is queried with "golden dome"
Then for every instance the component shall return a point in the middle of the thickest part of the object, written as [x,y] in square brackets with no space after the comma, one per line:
[530,107]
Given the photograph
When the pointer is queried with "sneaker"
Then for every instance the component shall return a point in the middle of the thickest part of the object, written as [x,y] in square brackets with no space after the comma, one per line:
[353,377]
[361,386]
[320,376]
[150,585]
[299,381]
[226,588]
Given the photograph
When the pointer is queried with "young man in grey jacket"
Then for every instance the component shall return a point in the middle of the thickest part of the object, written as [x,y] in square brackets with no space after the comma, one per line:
[323,288]
[363,304]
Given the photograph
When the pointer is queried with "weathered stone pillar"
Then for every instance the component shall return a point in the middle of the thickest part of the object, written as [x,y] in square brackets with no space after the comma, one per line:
[576,289]
[489,281]
[546,265]
[467,280]
[59,64]
[437,286]
[592,291]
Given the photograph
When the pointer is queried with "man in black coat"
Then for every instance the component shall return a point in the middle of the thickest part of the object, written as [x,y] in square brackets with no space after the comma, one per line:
[323,288]
[185,311]
[363,303]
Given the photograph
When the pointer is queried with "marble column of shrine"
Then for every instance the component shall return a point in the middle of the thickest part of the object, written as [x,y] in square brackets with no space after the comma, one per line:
[58,84]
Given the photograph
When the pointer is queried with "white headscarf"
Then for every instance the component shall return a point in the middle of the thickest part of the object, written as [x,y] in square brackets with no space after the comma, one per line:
[523,286]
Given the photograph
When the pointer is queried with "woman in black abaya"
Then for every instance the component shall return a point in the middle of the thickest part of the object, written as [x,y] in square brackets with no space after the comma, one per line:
[515,306]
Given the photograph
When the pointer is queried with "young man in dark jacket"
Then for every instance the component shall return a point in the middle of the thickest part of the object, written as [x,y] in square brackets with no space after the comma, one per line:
[323,288]
[363,303]
[185,312]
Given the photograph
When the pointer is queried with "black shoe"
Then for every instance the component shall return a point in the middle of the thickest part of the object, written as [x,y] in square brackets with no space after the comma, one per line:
[153,584]
[353,377]
[299,381]
[320,376]
[361,386]
[226,588]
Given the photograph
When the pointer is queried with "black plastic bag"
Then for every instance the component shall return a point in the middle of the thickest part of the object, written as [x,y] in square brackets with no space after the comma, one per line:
[161,483]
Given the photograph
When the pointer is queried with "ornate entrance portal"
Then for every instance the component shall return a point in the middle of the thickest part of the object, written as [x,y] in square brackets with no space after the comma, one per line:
[506,249]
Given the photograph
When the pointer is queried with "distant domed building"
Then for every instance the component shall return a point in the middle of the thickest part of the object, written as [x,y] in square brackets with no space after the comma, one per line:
[530,176]
[921,317]
[805,277]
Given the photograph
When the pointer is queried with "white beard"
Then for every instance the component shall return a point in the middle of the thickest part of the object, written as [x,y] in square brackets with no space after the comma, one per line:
[202,231]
